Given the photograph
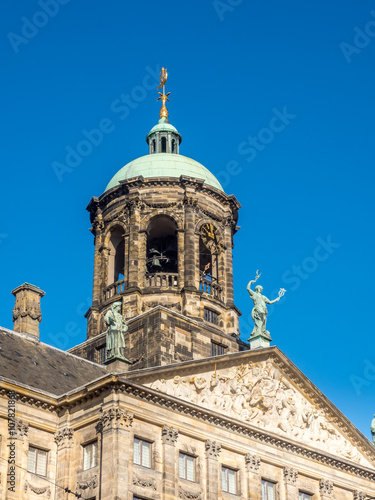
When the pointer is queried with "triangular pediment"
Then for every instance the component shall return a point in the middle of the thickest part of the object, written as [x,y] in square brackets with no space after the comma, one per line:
[264,389]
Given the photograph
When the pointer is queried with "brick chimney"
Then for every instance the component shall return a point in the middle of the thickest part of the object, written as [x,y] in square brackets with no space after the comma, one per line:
[26,313]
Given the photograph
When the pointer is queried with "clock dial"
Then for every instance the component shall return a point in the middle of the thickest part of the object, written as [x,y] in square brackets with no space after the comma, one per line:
[209,235]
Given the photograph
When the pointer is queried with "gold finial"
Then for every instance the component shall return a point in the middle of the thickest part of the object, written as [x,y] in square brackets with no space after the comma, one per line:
[163,96]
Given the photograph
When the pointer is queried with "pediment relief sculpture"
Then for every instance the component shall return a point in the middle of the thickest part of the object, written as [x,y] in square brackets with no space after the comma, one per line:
[259,394]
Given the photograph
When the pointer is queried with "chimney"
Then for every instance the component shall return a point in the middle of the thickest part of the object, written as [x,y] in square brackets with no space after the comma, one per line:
[26,313]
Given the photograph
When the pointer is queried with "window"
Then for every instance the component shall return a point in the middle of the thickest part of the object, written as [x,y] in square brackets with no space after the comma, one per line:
[211,316]
[268,490]
[304,496]
[37,461]
[186,467]
[101,354]
[217,349]
[142,453]
[229,480]
[90,455]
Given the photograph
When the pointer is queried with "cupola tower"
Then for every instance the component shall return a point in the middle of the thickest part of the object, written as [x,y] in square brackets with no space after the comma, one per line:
[163,233]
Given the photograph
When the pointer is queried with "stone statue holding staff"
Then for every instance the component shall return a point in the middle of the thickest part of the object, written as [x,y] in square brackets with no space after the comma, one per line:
[259,312]
[116,327]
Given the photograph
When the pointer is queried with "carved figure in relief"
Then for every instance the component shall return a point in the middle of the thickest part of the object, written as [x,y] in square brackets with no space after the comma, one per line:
[257,393]
[259,312]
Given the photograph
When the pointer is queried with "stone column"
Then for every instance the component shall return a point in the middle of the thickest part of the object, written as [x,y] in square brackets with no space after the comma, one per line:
[290,479]
[228,265]
[189,247]
[213,450]
[254,486]
[26,313]
[326,489]
[169,437]
[181,259]
[114,449]
[64,441]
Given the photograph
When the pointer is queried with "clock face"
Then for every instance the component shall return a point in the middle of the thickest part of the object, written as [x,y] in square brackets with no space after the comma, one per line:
[209,235]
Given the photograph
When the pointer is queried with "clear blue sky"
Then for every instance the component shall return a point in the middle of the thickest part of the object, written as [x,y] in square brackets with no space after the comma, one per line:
[232,70]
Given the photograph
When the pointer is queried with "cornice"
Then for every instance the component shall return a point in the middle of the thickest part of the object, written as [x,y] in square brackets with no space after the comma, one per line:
[197,412]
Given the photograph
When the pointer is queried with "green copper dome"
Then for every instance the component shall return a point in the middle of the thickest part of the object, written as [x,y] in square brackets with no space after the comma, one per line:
[164,165]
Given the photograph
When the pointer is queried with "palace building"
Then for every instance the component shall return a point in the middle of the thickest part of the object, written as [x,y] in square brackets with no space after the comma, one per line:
[184,409]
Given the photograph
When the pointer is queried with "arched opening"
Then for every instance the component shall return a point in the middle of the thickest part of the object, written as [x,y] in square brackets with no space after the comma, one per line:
[116,260]
[163,144]
[208,266]
[154,146]
[162,255]
[173,146]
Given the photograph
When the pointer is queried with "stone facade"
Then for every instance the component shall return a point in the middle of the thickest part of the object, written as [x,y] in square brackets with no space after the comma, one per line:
[115,412]
[196,415]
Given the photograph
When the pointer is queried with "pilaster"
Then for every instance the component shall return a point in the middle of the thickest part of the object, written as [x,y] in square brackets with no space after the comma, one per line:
[114,430]
[254,487]
[64,441]
[213,450]
[228,266]
[169,437]
[290,482]
[17,452]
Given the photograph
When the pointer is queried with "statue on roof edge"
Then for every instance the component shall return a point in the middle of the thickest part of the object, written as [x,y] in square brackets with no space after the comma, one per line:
[259,312]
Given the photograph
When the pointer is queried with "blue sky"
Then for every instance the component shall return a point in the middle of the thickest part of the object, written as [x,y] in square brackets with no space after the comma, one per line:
[305,181]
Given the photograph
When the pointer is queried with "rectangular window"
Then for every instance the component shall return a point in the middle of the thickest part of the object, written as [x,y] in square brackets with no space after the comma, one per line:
[142,453]
[101,354]
[211,316]
[37,461]
[217,349]
[304,496]
[90,455]
[229,480]
[268,490]
[186,467]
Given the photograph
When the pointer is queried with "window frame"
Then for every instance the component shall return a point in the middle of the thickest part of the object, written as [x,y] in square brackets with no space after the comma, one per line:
[38,450]
[141,441]
[305,495]
[85,446]
[101,349]
[209,315]
[194,458]
[220,348]
[227,469]
[269,481]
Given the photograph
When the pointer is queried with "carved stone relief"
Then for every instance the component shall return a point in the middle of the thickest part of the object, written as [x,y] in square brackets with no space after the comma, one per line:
[169,435]
[359,495]
[325,487]
[213,449]
[115,418]
[259,395]
[64,438]
[252,462]
[290,475]
[189,495]
[90,483]
[46,490]
[144,482]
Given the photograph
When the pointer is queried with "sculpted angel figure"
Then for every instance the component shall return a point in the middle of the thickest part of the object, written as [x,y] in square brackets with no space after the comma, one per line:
[259,312]
[116,327]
